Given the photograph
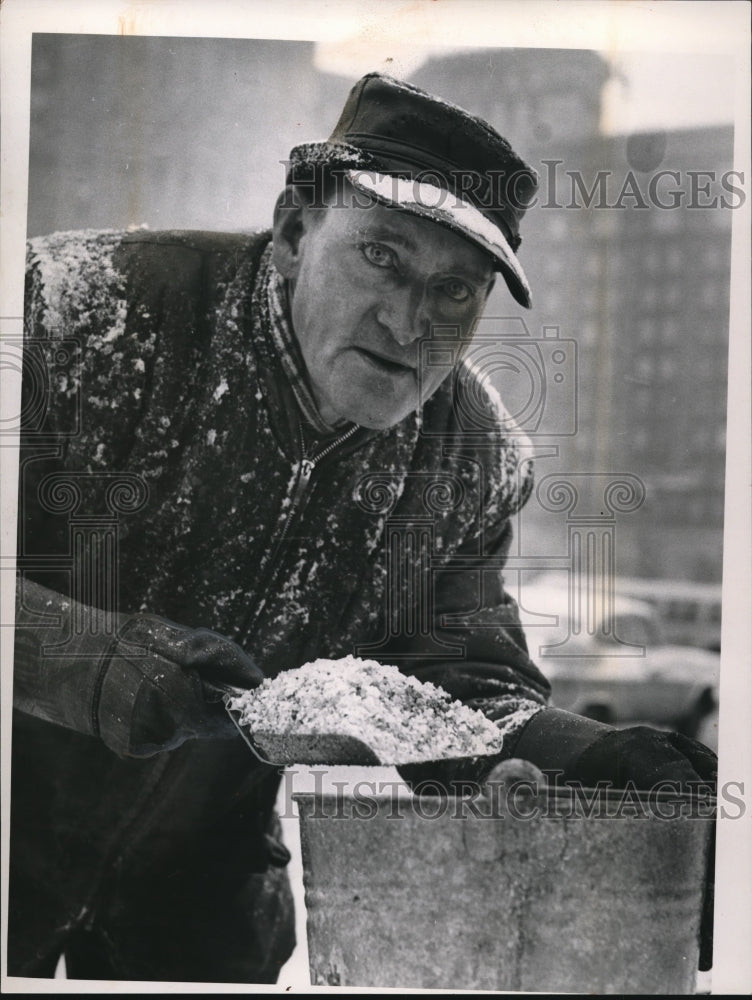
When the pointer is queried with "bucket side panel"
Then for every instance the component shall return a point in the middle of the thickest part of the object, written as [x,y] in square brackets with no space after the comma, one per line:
[404,900]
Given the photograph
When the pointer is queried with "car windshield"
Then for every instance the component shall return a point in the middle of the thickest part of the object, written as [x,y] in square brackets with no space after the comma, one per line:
[638,629]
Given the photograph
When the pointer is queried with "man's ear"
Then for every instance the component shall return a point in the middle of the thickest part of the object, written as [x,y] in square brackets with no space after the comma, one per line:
[290,221]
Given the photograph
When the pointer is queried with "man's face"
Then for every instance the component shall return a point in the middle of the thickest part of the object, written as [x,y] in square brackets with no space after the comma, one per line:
[367,284]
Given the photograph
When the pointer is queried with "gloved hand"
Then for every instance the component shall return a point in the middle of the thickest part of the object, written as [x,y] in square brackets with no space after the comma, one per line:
[647,757]
[587,752]
[144,687]
[168,682]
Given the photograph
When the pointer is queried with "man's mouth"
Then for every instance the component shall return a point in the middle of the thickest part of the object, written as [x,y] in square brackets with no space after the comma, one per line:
[387,364]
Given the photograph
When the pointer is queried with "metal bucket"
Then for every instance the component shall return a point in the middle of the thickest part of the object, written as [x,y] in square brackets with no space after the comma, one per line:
[548,894]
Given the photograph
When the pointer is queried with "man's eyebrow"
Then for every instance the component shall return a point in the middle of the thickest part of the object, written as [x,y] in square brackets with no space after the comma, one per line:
[385,234]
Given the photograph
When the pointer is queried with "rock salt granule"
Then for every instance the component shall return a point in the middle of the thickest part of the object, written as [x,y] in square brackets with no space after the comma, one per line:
[398,717]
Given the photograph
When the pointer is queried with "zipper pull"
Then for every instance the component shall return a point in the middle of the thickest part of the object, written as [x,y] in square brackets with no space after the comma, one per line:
[307,466]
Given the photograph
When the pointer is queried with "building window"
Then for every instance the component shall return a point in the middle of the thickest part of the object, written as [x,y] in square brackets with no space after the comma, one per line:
[667,366]
[670,328]
[592,265]
[647,330]
[667,222]
[674,259]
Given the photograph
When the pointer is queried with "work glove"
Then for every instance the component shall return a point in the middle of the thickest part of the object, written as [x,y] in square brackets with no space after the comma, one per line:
[169,683]
[449,777]
[140,683]
[584,751]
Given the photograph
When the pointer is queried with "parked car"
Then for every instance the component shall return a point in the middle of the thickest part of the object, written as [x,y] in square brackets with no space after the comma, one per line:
[689,612]
[606,658]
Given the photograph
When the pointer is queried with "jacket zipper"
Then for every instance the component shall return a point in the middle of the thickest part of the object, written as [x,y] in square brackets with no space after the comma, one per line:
[305,470]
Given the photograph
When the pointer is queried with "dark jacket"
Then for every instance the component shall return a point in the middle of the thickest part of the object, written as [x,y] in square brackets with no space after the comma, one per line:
[167,421]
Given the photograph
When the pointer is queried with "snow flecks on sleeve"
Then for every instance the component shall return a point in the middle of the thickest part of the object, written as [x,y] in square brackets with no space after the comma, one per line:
[76,277]
[76,298]
[221,389]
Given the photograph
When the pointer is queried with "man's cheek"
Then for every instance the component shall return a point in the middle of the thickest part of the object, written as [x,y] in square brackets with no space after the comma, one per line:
[344,270]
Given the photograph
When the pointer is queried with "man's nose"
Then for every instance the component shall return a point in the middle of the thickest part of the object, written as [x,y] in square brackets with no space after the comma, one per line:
[404,313]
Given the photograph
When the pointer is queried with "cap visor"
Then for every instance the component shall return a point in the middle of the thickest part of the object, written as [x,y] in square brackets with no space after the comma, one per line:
[445,208]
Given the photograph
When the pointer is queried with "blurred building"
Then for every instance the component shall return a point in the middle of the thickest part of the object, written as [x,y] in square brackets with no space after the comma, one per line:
[540,99]
[648,305]
[165,132]
[664,313]
[628,255]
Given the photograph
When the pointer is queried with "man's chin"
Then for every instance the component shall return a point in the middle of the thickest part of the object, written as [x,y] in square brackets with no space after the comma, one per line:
[375,418]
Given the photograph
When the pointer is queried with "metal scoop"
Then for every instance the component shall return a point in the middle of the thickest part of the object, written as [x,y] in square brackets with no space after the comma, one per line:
[284,749]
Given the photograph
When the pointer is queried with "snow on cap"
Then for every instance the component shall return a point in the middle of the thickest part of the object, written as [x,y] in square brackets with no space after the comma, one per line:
[429,157]
[439,205]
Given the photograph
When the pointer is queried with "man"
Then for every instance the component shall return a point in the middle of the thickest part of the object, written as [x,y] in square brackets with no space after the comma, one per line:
[242,454]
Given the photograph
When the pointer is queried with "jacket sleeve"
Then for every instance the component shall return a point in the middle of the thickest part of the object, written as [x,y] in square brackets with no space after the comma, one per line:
[98,391]
[49,681]
[84,371]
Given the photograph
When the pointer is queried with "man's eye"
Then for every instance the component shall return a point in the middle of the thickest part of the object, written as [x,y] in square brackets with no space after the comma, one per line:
[378,254]
[456,290]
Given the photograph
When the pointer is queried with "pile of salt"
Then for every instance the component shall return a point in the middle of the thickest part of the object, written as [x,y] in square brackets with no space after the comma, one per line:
[401,719]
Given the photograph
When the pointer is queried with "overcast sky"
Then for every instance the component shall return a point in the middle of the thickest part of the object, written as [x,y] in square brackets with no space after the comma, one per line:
[649,90]
[659,90]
